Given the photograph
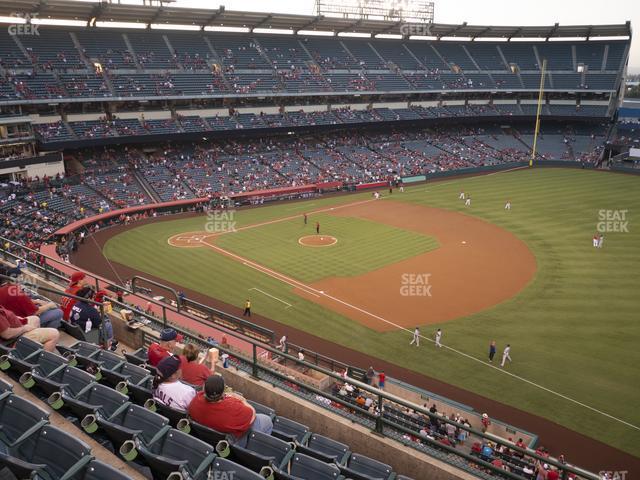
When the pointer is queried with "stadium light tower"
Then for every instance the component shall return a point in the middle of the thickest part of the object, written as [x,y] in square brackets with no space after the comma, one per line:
[538,112]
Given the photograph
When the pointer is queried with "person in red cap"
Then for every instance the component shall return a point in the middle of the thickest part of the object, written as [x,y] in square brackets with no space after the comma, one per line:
[76,283]
[227,412]
[164,348]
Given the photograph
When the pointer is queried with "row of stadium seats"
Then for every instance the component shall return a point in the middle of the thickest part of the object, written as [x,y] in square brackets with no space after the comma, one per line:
[61,131]
[112,398]
[30,446]
[45,85]
[77,49]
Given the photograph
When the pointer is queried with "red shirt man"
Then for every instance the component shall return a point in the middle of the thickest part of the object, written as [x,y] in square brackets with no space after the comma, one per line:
[164,348]
[225,413]
[12,298]
[76,283]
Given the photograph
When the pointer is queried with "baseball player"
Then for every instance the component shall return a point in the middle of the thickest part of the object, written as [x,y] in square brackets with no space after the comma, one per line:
[507,206]
[318,228]
[595,241]
[505,355]
[438,338]
[401,188]
[600,240]
[416,337]
[461,196]
[467,202]
[305,218]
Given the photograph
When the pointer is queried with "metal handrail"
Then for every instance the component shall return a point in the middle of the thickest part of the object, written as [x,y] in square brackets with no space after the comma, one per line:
[380,394]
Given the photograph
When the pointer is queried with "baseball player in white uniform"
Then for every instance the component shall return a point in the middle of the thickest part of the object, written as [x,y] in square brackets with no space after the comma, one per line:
[507,206]
[505,355]
[600,240]
[416,337]
[461,196]
[467,202]
[438,337]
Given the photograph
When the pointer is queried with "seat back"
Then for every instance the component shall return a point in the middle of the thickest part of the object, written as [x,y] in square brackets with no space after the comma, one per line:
[107,398]
[75,380]
[327,447]
[17,415]
[108,360]
[137,357]
[56,449]
[290,430]
[86,349]
[48,362]
[259,408]
[369,466]
[303,466]
[172,414]
[136,417]
[206,434]
[97,470]
[134,373]
[269,446]
[180,446]
[222,466]
[25,347]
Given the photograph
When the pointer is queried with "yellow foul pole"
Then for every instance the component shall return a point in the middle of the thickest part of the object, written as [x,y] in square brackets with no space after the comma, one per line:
[540,98]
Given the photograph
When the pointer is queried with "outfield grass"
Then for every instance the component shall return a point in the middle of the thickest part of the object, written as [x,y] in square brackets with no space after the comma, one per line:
[574,329]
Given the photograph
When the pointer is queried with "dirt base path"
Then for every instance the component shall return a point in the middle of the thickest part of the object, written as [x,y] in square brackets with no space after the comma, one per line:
[577,448]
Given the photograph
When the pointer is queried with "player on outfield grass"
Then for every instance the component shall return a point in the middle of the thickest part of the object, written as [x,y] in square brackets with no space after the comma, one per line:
[506,355]
[318,228]
[467,202]
[507,206]
[416,337]
[438,338]
[461,196]
[305,218]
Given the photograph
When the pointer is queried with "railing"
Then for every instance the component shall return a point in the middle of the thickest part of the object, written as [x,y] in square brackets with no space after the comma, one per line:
[250,359]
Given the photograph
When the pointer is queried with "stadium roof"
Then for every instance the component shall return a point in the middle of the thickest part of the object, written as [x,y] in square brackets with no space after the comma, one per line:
[111,12]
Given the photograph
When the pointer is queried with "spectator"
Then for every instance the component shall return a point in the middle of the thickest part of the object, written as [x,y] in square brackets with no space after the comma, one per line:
[370,375]
[76,283]
[12,327]
[165,347]
[13,298]
[167,387]
[87,316]
[227,412]
[193,372]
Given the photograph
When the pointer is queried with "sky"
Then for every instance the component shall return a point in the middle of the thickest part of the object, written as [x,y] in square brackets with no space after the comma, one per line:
[487,12]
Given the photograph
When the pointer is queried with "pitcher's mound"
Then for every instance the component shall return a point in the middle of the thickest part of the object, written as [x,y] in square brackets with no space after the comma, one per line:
[317,241]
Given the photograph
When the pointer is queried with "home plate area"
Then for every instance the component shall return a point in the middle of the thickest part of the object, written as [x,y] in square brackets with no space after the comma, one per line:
[188,240]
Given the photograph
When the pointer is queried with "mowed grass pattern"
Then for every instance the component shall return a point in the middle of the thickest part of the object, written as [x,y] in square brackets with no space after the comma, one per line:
[574,329]
[276,246]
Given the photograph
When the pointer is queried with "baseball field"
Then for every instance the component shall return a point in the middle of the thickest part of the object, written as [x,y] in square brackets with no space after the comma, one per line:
[529,277]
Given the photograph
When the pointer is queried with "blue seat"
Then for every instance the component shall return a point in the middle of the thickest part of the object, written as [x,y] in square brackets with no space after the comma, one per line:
[259,408]
[95,400]
[19,418]
[172,414]
[178,452]
[290,430]
[69,380]
[303,467]
[5,386]
[50,453]
[233,470]
[23,357]
[133,423]
[48,364]
[359,467]
[325,449]
[263,451]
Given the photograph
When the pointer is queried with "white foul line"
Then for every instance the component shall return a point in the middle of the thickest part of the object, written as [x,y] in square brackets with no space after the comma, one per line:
[269,295]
